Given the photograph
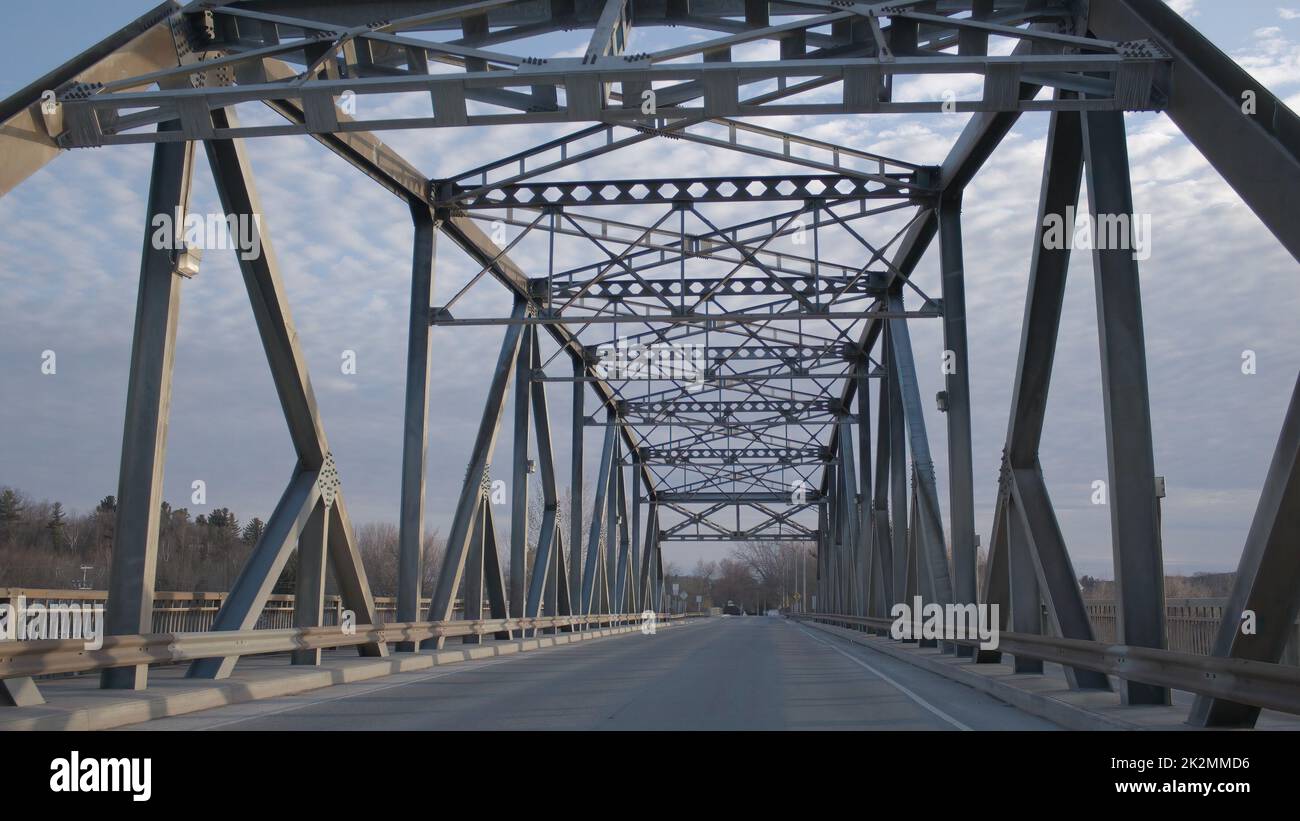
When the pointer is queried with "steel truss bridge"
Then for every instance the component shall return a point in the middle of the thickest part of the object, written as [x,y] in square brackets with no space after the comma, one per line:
[770,435]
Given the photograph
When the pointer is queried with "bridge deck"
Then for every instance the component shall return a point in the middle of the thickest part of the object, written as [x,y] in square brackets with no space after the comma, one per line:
[716,674]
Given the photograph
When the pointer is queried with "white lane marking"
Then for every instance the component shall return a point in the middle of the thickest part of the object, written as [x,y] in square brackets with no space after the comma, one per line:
[900,688]
[457,668]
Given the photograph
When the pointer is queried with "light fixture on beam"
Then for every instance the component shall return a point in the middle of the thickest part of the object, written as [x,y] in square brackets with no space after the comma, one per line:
[186,259]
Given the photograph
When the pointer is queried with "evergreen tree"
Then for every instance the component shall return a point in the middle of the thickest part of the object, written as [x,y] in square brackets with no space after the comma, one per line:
[56,524]
[11,507]
[253,531]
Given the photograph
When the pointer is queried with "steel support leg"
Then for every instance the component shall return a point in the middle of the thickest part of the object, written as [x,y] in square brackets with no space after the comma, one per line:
[932,561]
[590,573]
[1268,577]
[903,567]
[410,539]
[1135,528]
[575,485]
[453,563]
[472,587]
[133,570]
[961,477]
[309,590]
[519,476]
[315,474]
[1026,607]
[1022,478]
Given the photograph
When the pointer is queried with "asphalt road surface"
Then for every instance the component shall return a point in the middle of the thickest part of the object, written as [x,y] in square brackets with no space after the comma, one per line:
[741,673]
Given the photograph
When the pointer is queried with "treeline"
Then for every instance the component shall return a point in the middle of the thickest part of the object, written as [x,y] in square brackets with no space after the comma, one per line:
[44,545]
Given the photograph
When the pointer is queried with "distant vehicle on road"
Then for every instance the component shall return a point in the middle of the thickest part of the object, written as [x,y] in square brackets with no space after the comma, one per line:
[732,609]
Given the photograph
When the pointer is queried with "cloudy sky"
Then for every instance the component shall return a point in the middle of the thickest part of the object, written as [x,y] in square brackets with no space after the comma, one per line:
[1217,284]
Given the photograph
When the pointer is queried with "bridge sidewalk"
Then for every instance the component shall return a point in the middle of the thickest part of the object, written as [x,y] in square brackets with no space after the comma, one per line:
[77,703]
[1047,695]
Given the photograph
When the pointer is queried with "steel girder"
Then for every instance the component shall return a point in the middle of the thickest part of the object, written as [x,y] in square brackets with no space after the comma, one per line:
[787,338]
[376,58]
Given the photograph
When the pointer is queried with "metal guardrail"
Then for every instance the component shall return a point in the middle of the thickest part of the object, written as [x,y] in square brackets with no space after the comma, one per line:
[48,657]
[1270,686]
[1191,625]
[186,612]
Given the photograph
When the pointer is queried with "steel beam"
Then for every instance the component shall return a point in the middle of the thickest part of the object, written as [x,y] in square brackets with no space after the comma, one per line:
[449,577]
[415,428]
[1026,606]
[1135,525]
[932,559]
[961,476]
[309,579]
[262,570]
[519,475]
[599,510]
[232,173]
[1208,97]
[1268,576]
[133,570]
[575,481]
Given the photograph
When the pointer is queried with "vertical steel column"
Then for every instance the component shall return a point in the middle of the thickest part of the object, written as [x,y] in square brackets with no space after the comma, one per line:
[415,439]
[850,517]
[519,475]
[590,573]
[622,585]
[897,476]
[309,580]
[1135,529]
[1268,576]
[543,584]
[869,554]
[646,601]
[148,402]
[575,483]
[961,477]
[823,565]
[635,532]
[612,525]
